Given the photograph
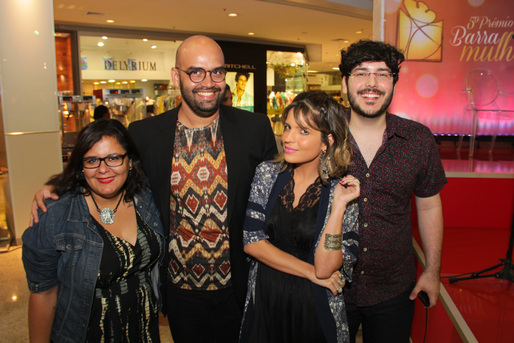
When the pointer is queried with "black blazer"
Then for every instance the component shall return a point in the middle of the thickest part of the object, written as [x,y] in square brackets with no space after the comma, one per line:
[248,140]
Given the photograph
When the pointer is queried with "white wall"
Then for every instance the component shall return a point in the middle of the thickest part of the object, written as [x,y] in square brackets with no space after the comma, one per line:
[28,101]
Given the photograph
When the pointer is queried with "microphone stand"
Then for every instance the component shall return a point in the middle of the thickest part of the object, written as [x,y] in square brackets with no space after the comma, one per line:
[507,273]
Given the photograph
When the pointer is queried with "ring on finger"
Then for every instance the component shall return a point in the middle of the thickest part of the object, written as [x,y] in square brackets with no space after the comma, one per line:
[340,290]
[357,180]
[341,283]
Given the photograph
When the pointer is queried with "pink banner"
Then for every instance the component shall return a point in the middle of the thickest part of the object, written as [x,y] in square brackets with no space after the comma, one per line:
[459,55]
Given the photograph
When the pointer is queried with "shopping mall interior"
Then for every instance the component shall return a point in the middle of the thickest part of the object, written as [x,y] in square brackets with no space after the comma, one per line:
[59,59]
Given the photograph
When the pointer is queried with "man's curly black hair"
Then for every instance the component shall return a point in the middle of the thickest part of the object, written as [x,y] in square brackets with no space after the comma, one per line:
[370,51]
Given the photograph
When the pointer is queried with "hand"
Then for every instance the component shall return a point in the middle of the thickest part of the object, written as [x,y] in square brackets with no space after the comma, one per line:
[430,284]
[43,194]
[335,283]
[348,189]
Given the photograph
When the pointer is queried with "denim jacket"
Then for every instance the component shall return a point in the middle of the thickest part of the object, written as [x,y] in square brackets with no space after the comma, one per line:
[65,249]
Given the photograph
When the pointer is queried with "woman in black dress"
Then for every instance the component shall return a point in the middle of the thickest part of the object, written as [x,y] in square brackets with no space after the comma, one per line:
[301,229]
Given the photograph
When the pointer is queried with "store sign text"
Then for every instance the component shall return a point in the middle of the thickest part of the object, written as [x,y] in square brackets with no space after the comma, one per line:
[130,64]
[240,66]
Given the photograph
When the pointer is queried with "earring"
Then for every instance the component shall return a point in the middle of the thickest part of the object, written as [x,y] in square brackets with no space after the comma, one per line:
[326,165]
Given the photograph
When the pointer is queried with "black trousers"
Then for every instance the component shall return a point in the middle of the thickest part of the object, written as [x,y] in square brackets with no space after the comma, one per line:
[203,316]
[386,322]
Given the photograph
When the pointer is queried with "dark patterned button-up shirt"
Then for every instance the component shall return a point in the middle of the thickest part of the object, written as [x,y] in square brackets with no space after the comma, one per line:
[407,163]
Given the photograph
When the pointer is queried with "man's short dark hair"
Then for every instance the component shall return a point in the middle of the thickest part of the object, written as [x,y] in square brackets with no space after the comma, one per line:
[242,73]
[371,51]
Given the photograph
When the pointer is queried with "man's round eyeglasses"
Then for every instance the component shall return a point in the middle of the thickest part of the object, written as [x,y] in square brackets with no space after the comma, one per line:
[197,75]
[364,75]
[113,160]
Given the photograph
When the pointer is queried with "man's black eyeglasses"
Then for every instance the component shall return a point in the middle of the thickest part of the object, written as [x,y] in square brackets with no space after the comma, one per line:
[197,75]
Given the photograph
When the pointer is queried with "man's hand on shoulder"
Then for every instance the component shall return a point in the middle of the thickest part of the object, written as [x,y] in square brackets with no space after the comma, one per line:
[46,192]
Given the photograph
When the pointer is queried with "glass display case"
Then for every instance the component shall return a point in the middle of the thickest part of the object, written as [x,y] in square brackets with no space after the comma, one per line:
[126,105]
[76,111]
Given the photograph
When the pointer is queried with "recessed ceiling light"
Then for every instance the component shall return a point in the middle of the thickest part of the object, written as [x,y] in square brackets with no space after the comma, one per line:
[312,71]
[110,21]
[359,31]
[145,39]
[144,80]
[100,44]
[104,37]
[336,68]
[112,81]
[102,82]
[154,46]
[250,33]
[232,14]
[132,81]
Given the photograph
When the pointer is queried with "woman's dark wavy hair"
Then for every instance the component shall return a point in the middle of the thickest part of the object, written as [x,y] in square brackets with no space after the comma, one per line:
[371,51]
[72,178]
[323,113]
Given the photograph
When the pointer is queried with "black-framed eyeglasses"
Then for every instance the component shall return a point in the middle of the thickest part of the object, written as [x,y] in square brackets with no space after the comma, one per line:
[112,160]
[197,75]
[364,75]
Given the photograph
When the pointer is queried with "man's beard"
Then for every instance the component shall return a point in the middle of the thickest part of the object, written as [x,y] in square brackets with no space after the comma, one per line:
[357,109]
[202,109]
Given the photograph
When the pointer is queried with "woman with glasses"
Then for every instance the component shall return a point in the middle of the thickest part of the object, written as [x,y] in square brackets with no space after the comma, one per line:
[92,260]
[301,229]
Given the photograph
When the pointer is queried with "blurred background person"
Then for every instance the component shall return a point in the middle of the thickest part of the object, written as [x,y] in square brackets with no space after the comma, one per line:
[227,99]
[101,111]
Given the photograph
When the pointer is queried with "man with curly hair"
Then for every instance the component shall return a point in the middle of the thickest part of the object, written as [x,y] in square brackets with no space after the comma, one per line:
[394,158]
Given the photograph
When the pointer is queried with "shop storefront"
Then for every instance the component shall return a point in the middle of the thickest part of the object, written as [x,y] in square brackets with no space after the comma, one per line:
[131,75]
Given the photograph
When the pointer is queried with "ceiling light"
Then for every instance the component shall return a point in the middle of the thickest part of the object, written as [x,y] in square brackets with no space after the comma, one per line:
[132,81]
[102,82]
[112,81]
[104,37]
[250,33]
[110,21]
[144,80]
[312,71]
[336,68]
[359,31]
[232,14]
[145,39]
[100,44]
[154,46]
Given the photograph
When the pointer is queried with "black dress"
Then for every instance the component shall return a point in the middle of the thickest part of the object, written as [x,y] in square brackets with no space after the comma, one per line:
[284,308]
[124,306]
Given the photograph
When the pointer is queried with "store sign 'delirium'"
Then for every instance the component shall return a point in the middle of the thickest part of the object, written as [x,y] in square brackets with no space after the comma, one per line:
[129,64]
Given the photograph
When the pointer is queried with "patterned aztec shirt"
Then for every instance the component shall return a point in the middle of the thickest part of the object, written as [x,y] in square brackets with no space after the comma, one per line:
[199,237]
[407,163]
